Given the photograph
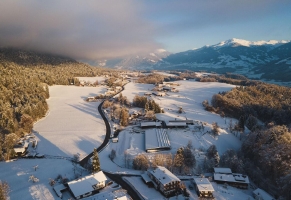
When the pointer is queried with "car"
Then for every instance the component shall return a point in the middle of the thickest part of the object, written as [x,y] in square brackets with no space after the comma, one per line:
[30,155]
[39,155]
[108,182]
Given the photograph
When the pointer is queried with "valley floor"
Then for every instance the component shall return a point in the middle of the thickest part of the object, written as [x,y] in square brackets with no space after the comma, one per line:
[74,126]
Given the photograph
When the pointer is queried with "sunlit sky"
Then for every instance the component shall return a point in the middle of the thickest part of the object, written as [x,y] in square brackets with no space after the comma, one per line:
[97,29]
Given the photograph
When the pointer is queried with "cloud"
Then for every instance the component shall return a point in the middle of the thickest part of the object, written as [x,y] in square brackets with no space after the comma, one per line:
[91,30]
[79,29]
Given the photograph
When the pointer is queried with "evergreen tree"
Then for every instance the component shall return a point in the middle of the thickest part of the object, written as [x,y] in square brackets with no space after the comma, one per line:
[241,123]
[95,163]
[4,190]
[179,159]
[112,154]
[189,158]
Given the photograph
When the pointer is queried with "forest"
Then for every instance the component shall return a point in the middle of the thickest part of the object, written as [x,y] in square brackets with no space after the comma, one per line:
[265,110]
[25,77]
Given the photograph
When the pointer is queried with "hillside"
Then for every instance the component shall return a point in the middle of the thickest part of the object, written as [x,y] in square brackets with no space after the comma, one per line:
[24,57]
[25,77]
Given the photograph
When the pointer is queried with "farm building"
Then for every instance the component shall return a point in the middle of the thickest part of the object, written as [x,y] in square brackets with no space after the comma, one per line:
[224,175]
[164,181]
[156,140]
[59,189]
[222,170]
[147,180]
[175,124]
[87,185]
[21,149]
[161,94]
[203,187]
[114,140]
[260,194]
[150,124]
[187,121]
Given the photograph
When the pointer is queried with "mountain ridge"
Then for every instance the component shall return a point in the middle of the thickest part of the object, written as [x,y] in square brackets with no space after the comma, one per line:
[263,59]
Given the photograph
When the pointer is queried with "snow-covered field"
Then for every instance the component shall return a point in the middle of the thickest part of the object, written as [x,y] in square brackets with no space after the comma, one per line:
[132,89]
[17,175]
[72,125]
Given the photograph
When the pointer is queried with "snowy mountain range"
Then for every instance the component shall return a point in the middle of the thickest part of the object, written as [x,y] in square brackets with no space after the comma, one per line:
[261,59]
[255,59]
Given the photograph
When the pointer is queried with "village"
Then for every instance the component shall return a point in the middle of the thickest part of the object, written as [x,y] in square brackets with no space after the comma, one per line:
[181,123]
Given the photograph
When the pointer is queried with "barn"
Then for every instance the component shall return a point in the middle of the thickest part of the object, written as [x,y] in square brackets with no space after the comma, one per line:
[156,140]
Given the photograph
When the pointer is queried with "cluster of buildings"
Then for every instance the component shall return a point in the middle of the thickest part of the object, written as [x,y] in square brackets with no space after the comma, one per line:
[21,148]
[169,184]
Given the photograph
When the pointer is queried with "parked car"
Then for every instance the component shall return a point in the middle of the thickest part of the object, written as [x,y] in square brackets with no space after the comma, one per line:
[39,155]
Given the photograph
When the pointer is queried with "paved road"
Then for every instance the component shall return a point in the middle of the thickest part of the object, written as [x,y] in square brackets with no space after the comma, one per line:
[106,140]
[115,177]
[118,179]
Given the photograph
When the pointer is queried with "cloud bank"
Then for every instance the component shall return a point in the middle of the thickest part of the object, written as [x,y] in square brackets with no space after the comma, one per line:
[79,29]
[101,29]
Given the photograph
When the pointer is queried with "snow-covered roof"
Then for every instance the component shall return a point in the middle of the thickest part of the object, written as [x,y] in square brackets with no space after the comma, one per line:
[187,121]
[59,188]
[163,175]
[156,138]
[173,123]
[26,144]
[85,184]
[146,178]
[203,184]
[263,194]
[19,150]
[238,178]
[145,124]
[222,170]
[121,198]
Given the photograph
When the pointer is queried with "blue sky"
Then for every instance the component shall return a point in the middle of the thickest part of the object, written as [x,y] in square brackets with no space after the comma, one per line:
[92,29]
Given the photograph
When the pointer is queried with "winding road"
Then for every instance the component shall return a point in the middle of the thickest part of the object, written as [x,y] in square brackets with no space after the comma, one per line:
[106,140]
[115,177]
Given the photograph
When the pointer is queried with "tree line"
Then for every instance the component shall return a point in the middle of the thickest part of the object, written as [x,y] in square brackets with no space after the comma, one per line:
[265,109]
[267,102]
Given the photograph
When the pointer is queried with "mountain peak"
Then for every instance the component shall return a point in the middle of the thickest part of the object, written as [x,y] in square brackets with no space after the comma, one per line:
[241,42]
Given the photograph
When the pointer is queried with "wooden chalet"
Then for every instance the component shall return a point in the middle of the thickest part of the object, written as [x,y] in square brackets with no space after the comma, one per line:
[164,181]
[87,185]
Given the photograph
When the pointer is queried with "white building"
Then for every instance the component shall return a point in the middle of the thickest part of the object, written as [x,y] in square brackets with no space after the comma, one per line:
[225,175]
[87,185]
[150,124]
[203,187]
[164,180]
